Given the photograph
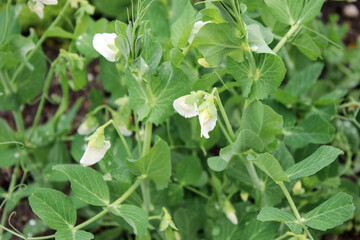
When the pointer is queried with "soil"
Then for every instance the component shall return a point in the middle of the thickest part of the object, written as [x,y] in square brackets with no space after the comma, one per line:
[23,210]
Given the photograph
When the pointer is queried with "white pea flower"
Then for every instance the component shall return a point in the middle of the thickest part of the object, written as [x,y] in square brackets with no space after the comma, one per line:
[124,130]
[37,6]
[187,106]
[88,126]
[196,29]
[104,43]
[96,149]
[184,109]
[93,154]
[207,122]
[230,212]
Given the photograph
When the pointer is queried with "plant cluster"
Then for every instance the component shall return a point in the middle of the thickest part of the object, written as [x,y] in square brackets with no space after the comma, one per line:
[227,119]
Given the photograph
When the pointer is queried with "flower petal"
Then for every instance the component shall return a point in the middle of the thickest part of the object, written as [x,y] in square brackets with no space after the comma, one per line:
[37,8]
[207,122]
[125,131]
[93,154]
[196,29]
[185,110]
[48,2]
[101,43]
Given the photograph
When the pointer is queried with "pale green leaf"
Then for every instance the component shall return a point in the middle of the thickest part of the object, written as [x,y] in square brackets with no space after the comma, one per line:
[331,213]
[262,120]
[303,80]
[267,163]
[321,158]
[279,215]
[307,46]
[256,40]
[156,165]
[53,207]
[314,129]
[269,73]
[188,170]
[87,184]
[285,11]
[136,217]
[183,17]
[217,41]
[68,234]
[256,230]
[156,105]
[310,10]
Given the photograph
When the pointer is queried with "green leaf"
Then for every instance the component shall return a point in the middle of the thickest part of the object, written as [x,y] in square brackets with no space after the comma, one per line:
[157,105]
[68,234]
[87,184]
[303,80]
[7,134]
[321,158]
[183,17]
[256,230]
[111,78]
[279,215]
[285,11]
[188,170]
[152,51]
[262,120]
[331,213]
[314,129]
[307,46]
[245,140]
[217,41]
[267,163]
[59,32]
[188,222]
[270,72]
[156,165]
[14,24]
[9,156]
[135,216]
[256,40]
[53,207]
[310,10]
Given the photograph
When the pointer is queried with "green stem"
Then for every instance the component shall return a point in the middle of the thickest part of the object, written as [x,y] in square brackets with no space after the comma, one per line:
[123,197]
[253,175]
[8,5]
[131,189]
[287,36]
[197,192]
[224,115]
[43,98]
[13,180]
[223,129]
[145,185]
[40,41]
[294,209]
[169,133]
[123,140]
[147,140]
[19,121]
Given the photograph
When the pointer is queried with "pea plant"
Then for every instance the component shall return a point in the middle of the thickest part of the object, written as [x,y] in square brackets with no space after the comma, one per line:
[222,119]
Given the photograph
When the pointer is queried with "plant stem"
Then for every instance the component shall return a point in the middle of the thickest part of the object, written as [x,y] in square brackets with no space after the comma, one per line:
[40,41]
[19,121]
[223,129]
[8,5]
[123,197]
[147,141]
[197,192]
[287,36]
[294,209]
[13,180]
[43,98]
[131,189]
[225,117]
[145,184]
[253,174]
[123,140]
